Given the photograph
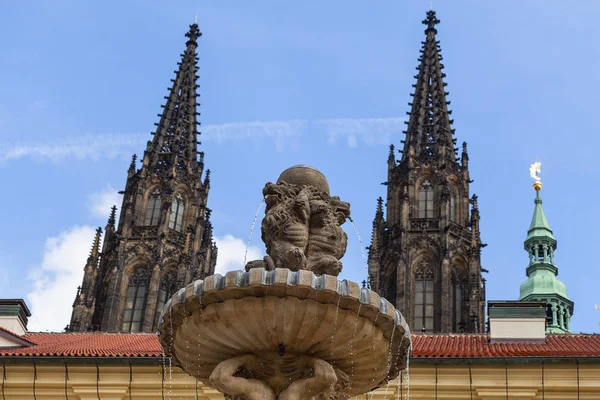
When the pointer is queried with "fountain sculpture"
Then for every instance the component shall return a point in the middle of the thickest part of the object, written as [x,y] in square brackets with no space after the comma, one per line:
[287,328]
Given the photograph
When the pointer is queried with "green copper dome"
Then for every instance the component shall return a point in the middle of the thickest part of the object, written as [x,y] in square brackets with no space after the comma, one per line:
[542,283]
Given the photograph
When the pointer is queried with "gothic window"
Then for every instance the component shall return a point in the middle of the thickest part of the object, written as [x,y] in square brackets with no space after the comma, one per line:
[135,305]
[177,210]
[426,200]
[452,208]
[457,303]
[168,286]
[424,299]
[153,209]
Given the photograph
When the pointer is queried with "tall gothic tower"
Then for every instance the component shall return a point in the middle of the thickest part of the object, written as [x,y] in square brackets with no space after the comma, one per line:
[164,237]
[425,254]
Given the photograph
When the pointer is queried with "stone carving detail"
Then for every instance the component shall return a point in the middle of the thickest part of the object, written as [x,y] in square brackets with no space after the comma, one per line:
[424,224]
[267,376]
[302,224]
[145,231]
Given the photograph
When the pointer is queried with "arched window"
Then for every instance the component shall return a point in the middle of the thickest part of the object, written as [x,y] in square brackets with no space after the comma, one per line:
[133,315]
[426,200]
[168,286]
[177,210]
[452,208]
[423,299]
[153,209]
[457,302]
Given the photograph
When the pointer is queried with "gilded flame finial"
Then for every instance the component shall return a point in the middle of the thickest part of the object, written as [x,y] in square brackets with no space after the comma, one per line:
[534,171]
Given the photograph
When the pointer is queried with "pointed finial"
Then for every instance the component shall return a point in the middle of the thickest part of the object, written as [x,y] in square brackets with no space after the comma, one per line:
[207,178]
[380,205]
[113,216]
[196,19]
[391,154]
[534,170]
[132,165]
[94,252]
[194,33]
[431,21]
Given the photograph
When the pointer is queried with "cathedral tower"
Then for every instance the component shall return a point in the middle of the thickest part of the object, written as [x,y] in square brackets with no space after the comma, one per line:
[542,283]
[425,254]
[163,240]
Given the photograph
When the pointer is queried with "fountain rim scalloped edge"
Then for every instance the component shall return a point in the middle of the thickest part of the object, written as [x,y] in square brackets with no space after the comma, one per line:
[189,298]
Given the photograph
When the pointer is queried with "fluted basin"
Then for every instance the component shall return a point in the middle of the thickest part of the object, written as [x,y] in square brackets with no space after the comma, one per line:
[281,316]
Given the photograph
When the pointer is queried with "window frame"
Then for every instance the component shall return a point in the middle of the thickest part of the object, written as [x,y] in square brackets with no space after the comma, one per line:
[177,213]
[424,300]
[426,200]
[138,280]
[153,206]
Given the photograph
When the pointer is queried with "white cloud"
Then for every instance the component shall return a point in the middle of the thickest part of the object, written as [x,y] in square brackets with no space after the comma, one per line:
[55,281]
[231,253]
[355,131]
[85,147]
[280,131]
[101,202]
[369,131]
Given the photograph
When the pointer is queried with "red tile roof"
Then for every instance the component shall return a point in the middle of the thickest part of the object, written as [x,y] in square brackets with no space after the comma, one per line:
[455,346]
[424,346]
[88,345]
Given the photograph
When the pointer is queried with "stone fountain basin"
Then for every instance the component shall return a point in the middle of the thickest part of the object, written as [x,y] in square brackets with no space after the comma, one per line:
[259,311]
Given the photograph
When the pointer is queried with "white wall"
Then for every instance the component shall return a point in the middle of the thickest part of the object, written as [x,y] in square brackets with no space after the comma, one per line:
[517,329]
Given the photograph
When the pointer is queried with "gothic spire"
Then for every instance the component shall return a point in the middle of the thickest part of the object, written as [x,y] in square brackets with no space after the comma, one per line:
[429,132]
[174,146]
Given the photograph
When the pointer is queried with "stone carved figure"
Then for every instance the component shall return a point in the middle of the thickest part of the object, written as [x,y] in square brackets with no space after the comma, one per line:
[302,224]
[267,377]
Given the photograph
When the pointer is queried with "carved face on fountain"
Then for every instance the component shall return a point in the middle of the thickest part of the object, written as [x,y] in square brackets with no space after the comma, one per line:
[302,224]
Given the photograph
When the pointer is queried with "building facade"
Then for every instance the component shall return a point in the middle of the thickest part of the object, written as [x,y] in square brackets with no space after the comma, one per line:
[118,366]
[425,253]
[163,239]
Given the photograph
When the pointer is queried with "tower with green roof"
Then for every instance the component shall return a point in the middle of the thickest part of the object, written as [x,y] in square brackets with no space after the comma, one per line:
[542,283]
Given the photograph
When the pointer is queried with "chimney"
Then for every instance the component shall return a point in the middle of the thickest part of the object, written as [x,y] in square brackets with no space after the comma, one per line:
[517,321]
[13,315]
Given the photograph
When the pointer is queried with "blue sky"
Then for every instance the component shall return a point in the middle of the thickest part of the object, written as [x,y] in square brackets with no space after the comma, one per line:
[320,83]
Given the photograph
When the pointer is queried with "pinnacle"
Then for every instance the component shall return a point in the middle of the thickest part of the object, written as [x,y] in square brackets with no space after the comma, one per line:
[132,164]
[112,218]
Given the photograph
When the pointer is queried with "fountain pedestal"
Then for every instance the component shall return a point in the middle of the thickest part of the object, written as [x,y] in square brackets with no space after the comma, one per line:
[284,335]
[287,328]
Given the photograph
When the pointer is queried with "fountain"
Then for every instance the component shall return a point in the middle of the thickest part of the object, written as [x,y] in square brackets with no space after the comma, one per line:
[286,328]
